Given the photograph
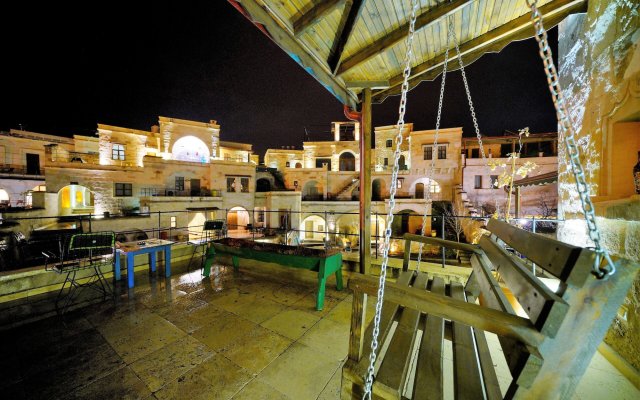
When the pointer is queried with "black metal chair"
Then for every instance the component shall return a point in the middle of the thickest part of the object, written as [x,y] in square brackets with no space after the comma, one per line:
[211,230]
[83,262]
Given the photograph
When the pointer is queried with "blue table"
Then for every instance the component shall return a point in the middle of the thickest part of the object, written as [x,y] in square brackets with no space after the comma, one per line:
[151,247]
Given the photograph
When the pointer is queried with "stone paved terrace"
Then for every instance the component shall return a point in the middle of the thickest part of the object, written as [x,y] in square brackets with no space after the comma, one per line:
[247,335]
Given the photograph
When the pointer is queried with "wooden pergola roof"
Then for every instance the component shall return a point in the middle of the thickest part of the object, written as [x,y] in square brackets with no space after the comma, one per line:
[349,44]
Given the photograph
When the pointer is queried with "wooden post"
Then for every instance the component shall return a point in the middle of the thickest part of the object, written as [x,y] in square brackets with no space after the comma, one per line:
[365,184]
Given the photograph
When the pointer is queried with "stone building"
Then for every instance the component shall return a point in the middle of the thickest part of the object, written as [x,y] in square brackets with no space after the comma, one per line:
[328,179]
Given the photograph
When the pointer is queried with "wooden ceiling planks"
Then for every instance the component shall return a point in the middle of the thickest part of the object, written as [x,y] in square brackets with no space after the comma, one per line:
[375,48]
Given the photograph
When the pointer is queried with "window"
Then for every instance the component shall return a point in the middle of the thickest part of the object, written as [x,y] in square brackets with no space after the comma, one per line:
[179,183]
[434,187]
[244,185]
[428,152]
[478,182]
[389,143]
[124,189]
[117,152]
[475,153]
[386,162]
[231,184]
[494,181]
[172,222]
[442,152]
[287,164]
[399,184]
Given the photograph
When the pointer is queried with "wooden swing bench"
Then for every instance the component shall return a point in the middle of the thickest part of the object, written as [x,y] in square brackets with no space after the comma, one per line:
[547,352]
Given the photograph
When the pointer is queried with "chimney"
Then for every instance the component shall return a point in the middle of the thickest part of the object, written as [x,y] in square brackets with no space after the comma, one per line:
[213,122]
[155,129]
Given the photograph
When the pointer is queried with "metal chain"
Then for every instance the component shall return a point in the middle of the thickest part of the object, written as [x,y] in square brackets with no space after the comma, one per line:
[435,141]
[566,128]
[392,202]
[466,88]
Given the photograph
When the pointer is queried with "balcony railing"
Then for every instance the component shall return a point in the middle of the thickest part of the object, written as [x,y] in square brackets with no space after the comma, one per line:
[12,169]
[75,157]
[174,192]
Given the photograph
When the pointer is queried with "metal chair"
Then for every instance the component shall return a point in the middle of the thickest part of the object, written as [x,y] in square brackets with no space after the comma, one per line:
[211,230]
[82,262]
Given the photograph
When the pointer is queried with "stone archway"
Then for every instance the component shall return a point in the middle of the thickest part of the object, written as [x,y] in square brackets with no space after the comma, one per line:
[347,161]
[75,198]
[263,185]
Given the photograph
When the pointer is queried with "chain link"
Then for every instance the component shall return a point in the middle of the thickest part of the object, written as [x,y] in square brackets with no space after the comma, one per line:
[394,186]
[466,88]
[434,149]
[566,128]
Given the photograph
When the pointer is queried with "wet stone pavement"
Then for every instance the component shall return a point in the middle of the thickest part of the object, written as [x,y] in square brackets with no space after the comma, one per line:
[240,336]
[245,335]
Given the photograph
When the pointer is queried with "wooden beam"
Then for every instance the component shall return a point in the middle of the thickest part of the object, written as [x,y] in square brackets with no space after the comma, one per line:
[449,244]
[313,16]
[352,11]
[365,184]
[367,84]
[302,55]
[424,20]
[493,41]
[487,319]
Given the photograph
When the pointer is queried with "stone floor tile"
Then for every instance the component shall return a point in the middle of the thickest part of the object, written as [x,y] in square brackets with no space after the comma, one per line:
[216,378]
[341,313]
[301,372]
[121,384]
[226,328]
[291,323]
[170,362]
[258,390]
[256,349]
[333,388]
[62,377]
[329,337]
[258,310]
[133,338]
[308,303]
[191,318]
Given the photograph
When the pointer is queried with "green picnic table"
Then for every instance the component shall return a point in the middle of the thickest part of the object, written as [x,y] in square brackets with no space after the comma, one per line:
[325,262]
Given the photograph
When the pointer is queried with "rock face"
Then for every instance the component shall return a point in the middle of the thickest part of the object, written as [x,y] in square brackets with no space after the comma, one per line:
[599,64]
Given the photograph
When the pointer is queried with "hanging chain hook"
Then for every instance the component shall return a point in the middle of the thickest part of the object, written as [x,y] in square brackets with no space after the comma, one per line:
[368,384]
[566,127]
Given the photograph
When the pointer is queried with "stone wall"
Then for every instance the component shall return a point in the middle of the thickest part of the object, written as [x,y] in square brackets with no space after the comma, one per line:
[599,59]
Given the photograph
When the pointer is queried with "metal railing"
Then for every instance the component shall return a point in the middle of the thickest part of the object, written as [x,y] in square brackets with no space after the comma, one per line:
[21,245]
[173,192]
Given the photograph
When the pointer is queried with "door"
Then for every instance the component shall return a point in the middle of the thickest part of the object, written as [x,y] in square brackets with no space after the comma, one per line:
[195,187]
[33,164]
[308,227]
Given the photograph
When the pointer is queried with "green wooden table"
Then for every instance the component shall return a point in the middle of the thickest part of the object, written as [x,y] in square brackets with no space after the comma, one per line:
[325,262]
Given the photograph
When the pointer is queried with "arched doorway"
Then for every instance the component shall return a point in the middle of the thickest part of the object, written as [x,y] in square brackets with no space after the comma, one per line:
[347,161]
[298,165]
[401,163]
[263,185]
[237,221]
[311,191]
[190,148]
[75,199]
[377,189]
[313,228]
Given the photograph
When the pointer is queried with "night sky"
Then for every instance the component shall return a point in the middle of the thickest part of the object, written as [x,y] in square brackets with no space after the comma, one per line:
[203,60]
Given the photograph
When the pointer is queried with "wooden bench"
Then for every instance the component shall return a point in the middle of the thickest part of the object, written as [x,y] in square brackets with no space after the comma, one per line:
[547,348]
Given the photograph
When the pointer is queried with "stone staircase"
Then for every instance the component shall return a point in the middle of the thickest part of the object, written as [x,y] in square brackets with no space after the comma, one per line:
[469,209]
[345,193]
